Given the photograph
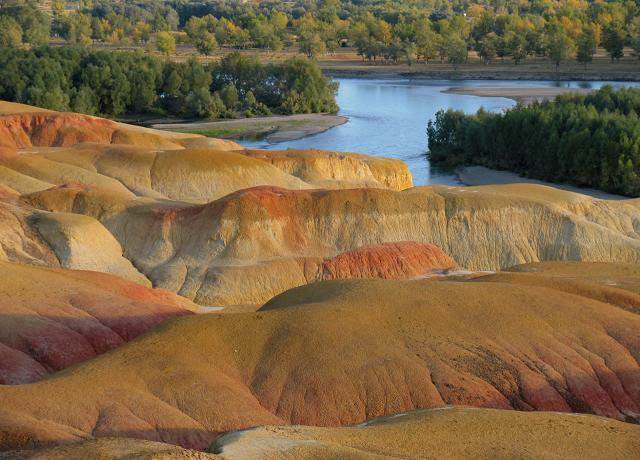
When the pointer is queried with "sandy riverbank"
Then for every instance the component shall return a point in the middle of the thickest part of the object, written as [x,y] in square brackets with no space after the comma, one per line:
[273,129]
[479,175]
[524,94]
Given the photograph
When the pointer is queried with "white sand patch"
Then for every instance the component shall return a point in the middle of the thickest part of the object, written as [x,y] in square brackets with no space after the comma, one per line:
[255,443]
[210,309]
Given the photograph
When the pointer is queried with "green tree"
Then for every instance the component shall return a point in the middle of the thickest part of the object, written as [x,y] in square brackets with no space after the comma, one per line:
[586,46]
[312,45]
[202,104]
[487,48]
[410,52]
[75,28]
[229,96]
[560,47]
[613,40]
[36,25]
[516,46]
[205,43]
[85,101]
[165,43]
[10,32]
[456,51]
[427,41]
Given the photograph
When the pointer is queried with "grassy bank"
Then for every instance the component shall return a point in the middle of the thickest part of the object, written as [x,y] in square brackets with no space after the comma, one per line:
[273,129]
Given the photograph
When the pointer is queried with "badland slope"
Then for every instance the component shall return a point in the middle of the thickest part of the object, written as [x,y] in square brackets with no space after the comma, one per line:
[480,433]
[342,352]
[54,318]
[222,225]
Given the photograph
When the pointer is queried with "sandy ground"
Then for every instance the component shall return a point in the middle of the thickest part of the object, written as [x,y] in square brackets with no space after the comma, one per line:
[525,94]
[273,129]
[479,175]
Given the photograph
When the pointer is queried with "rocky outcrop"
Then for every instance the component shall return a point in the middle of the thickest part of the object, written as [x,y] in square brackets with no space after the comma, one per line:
[192,174]
[61,239]
[51,319]
[338,170]
[54,129]
[19,241]
[387,261]
[342,352]
[272,238]
[252,244]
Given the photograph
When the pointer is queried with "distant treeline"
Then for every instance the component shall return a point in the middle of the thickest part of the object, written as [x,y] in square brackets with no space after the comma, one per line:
[389,31]
[591,140]
[114,83]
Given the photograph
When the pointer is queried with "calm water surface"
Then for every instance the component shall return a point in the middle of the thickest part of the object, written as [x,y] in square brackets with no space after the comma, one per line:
[389,118]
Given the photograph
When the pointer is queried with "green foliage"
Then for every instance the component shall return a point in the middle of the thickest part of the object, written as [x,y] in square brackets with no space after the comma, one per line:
[165,43]
[586,46]
[201,32]
[200,103]
[488,47]
[613,40]
[591,140]
[76,29]
[10,32]
[302,88]
[456,50]
[34,24]
[229,96]
[379,30]
[113,84]
[560,47]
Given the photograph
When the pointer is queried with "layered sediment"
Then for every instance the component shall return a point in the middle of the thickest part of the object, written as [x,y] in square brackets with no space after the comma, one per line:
[354,296]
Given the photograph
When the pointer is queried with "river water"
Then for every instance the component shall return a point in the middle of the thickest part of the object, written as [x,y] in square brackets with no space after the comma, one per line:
[389,118]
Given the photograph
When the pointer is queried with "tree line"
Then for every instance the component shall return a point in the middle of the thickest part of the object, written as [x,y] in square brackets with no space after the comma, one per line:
[113,84]
[588,140]
[393,30]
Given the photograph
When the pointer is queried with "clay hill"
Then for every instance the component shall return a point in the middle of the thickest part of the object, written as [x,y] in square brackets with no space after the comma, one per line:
[54,318]
[226,226]
[342,352]
[340,298]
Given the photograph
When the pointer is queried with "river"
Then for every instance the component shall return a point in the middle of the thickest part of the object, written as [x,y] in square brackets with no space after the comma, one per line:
[389,118]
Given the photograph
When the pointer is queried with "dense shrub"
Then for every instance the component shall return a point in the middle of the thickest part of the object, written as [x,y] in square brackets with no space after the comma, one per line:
[591,140]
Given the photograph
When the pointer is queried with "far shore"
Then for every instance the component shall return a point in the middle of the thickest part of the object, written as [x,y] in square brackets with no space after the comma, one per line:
[422,72]
[479,175]
[273,129]
[345,63]
[524,94]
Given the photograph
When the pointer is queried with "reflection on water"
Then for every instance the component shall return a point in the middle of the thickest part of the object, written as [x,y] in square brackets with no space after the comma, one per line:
[389,118]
